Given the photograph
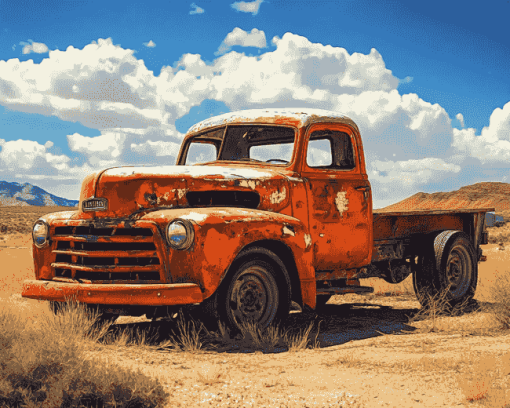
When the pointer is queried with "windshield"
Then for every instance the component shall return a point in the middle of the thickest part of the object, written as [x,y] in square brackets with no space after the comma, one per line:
[258,143]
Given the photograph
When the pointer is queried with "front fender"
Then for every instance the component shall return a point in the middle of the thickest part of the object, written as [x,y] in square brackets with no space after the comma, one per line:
[222,233]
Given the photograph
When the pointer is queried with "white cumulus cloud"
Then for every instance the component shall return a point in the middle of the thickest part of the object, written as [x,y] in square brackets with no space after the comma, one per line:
[492,145]
[392,181]
[150,44]
[255,38]
[196,9]
[247,6]
[460,118]
[150,149]
[31,46]
[29,161]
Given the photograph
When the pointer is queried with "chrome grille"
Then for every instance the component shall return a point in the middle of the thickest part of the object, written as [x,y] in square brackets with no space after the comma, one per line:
[106,254]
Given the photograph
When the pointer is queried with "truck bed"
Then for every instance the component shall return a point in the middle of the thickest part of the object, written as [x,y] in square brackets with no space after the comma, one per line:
[397,225]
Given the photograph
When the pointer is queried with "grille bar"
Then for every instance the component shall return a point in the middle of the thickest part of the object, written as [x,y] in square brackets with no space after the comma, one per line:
[96,238]
[112,268]
[110,254]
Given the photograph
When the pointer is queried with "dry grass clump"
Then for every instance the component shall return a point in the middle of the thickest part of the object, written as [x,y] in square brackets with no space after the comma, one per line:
[500,301]
[435,307]
[43,364]
[191,336]
[500,232]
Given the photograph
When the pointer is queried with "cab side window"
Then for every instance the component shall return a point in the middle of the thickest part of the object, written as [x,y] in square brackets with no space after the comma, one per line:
[330,149]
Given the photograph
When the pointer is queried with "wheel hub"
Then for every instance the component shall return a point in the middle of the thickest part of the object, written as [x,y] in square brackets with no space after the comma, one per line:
[251,297]
[457,269]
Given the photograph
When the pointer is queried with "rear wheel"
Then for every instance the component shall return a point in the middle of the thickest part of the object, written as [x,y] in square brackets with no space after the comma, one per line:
[257,290]
[447,266]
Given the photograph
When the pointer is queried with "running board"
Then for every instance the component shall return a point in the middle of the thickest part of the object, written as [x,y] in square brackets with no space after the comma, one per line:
[344,290]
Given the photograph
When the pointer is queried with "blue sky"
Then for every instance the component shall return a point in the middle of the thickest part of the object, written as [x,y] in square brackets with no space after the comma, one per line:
[114,94]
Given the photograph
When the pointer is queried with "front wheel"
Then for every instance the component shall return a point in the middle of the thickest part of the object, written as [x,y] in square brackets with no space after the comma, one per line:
[257,291]
[447,267]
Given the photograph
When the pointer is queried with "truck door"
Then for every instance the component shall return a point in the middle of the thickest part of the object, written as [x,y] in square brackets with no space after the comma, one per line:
[339,198]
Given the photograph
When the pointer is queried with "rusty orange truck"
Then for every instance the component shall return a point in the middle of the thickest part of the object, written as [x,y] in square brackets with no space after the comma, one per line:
[263,207]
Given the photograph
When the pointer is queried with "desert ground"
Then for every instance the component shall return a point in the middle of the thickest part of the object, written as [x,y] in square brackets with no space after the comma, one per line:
[364,350]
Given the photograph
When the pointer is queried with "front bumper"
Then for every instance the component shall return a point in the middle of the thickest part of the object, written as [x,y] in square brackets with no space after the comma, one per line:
[114,294]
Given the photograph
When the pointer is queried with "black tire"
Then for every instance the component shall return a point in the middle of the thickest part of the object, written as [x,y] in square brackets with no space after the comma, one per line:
[256,289]
[321,301]
[447,260]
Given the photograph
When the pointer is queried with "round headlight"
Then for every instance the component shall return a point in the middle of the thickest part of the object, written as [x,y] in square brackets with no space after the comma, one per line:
[180,234]
[40,234]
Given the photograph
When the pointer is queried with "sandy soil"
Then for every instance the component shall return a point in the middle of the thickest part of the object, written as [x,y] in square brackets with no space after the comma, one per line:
[356,364]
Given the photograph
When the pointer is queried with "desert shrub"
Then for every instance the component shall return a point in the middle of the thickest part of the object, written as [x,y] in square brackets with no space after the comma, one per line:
[43,363]
[499,233]
[500,299]
[435,307]
[190,335]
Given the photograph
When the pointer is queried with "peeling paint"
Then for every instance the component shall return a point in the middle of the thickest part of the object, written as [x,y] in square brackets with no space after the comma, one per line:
[248,183]
[287,231]
[308,240]
[63,215]
[300,115]
[163,198]
[341,202]
[194,216]
[194,171]
[277,197]
[181,192]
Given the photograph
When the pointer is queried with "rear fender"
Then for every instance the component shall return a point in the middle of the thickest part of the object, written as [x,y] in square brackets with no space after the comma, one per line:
[220,236]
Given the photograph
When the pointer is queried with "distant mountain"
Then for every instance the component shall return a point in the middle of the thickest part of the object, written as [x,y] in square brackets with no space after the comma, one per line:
[487,194]
[17,194]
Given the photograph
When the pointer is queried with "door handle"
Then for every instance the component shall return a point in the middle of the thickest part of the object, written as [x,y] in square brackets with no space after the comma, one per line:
[365,190]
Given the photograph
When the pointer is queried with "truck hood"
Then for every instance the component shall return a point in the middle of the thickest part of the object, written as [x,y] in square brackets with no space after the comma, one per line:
[132,189]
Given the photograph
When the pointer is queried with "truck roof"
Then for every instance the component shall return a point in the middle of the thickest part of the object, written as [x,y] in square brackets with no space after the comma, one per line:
[299,117]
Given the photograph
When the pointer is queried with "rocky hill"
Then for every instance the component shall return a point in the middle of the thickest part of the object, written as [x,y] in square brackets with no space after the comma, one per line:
[17,194]
[479,195]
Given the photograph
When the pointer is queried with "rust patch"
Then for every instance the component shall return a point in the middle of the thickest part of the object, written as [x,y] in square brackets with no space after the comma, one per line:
[308,240]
